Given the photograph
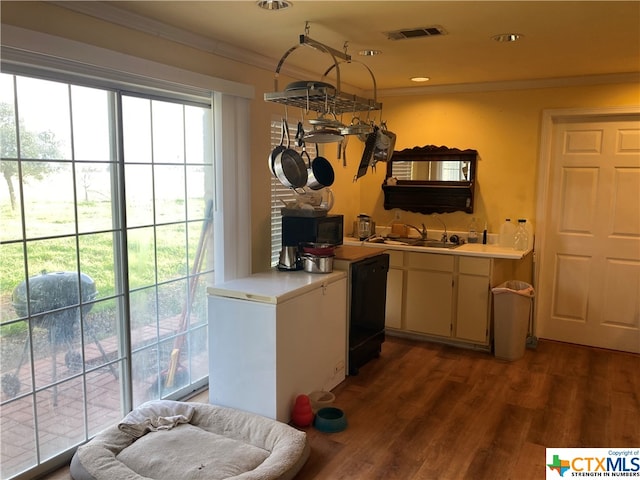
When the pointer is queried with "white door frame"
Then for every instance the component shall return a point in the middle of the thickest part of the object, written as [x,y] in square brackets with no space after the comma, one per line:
[549,119]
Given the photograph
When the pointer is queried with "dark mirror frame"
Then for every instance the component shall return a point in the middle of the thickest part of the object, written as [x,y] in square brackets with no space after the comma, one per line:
[429,196]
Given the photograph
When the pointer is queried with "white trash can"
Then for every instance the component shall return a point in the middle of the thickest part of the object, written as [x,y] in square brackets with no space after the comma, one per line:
[512,309]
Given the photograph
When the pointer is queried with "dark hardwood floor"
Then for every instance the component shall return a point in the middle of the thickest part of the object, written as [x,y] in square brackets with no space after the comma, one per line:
[429,411]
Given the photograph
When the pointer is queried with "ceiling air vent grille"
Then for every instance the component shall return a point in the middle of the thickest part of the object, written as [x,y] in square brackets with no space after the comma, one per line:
[432,31]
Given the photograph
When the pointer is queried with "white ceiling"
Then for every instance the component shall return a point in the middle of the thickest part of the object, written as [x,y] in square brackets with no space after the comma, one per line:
[560,39]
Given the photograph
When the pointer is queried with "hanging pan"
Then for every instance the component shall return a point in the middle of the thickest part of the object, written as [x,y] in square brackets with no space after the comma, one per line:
[320,172]
[324,135]
[289,166]
[280,148]
[357,127]
[325,130]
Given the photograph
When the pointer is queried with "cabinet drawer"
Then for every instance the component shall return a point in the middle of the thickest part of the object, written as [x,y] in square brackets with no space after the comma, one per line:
[430,261]
[475,266]
[396,258]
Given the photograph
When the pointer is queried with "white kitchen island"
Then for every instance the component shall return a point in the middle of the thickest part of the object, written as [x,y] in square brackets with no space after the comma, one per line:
[273,336]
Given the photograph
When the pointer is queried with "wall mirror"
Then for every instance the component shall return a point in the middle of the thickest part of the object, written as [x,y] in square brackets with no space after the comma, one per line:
[431,179]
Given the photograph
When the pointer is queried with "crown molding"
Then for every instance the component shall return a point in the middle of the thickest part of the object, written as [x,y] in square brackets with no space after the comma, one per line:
[115,15]
[628,77]
[133,21]
[23,48]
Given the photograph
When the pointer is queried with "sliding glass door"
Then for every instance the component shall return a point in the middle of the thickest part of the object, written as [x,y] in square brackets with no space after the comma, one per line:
[105,251]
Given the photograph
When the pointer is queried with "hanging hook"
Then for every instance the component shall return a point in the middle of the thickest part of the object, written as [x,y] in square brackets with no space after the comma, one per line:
[345,46]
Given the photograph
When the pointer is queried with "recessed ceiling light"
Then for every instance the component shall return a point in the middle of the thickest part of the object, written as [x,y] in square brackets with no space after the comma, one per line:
[369,53]
[274,4]
[507,37]
[420,79]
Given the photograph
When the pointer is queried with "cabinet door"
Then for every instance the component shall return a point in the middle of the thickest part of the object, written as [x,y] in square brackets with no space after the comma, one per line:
[393,308]
[472,308]
[428,302]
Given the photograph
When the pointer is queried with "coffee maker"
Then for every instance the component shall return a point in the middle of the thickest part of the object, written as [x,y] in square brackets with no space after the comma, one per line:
[365,225]
[289,258]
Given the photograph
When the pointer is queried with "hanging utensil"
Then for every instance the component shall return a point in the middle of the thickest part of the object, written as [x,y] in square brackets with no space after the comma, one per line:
[367,154]
[300,135]
[344,151]
[385,143]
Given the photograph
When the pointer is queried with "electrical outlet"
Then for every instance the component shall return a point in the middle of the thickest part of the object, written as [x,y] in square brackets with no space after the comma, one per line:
[397,215]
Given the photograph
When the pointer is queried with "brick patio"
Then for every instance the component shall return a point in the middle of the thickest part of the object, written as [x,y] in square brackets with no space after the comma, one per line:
[61,424]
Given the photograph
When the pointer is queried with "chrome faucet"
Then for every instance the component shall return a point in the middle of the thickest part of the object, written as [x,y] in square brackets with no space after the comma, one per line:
[445,237]
[423,232]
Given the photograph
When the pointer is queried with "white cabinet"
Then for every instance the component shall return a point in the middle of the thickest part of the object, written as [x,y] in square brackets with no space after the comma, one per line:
[446,297]
[273,336]
[395,287]
[429,294]
[473,295]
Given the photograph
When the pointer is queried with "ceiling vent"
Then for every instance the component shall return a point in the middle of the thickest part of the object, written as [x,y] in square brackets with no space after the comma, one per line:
[432,31]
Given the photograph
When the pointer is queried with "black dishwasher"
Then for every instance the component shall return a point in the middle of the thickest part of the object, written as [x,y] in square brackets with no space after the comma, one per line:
[368,301]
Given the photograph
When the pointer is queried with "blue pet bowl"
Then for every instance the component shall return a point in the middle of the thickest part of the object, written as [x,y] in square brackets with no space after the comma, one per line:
[330,420]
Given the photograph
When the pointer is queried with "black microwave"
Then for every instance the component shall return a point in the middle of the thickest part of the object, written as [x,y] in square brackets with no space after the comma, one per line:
[327,229]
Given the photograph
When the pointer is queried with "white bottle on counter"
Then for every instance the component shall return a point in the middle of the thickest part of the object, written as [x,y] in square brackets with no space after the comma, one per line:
[521,237]
[507,233]
[473,231]
[530,232]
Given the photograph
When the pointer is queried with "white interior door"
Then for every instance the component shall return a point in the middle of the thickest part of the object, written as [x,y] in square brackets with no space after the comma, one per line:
[588,289]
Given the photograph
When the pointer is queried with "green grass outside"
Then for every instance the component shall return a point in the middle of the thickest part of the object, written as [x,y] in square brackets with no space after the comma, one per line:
[96,249]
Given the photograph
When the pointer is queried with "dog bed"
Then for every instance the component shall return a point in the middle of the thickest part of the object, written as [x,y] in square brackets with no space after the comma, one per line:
[163,439]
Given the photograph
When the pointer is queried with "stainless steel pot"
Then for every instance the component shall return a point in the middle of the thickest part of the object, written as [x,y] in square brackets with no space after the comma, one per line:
[317,263]
[320,173]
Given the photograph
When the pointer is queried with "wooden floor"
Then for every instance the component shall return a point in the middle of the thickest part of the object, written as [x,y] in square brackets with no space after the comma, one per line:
[428,411]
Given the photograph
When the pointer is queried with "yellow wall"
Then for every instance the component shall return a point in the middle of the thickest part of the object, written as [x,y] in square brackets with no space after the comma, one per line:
[503,126]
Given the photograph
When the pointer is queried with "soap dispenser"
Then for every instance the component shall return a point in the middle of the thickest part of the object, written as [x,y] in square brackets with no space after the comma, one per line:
[473,231]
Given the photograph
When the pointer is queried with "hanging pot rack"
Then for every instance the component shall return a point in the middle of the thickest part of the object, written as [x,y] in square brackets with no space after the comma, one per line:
[319,96]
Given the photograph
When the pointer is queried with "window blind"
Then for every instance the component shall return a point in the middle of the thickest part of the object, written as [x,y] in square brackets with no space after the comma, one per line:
[279,192]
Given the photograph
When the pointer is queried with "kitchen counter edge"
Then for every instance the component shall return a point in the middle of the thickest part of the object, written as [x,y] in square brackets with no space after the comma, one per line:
[273,286]
[467,250]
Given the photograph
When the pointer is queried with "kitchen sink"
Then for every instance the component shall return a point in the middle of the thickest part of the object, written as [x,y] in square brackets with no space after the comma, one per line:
[414,242]
[433,244]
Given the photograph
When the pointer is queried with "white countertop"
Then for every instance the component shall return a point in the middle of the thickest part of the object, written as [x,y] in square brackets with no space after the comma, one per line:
[274,286]
[468,249]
